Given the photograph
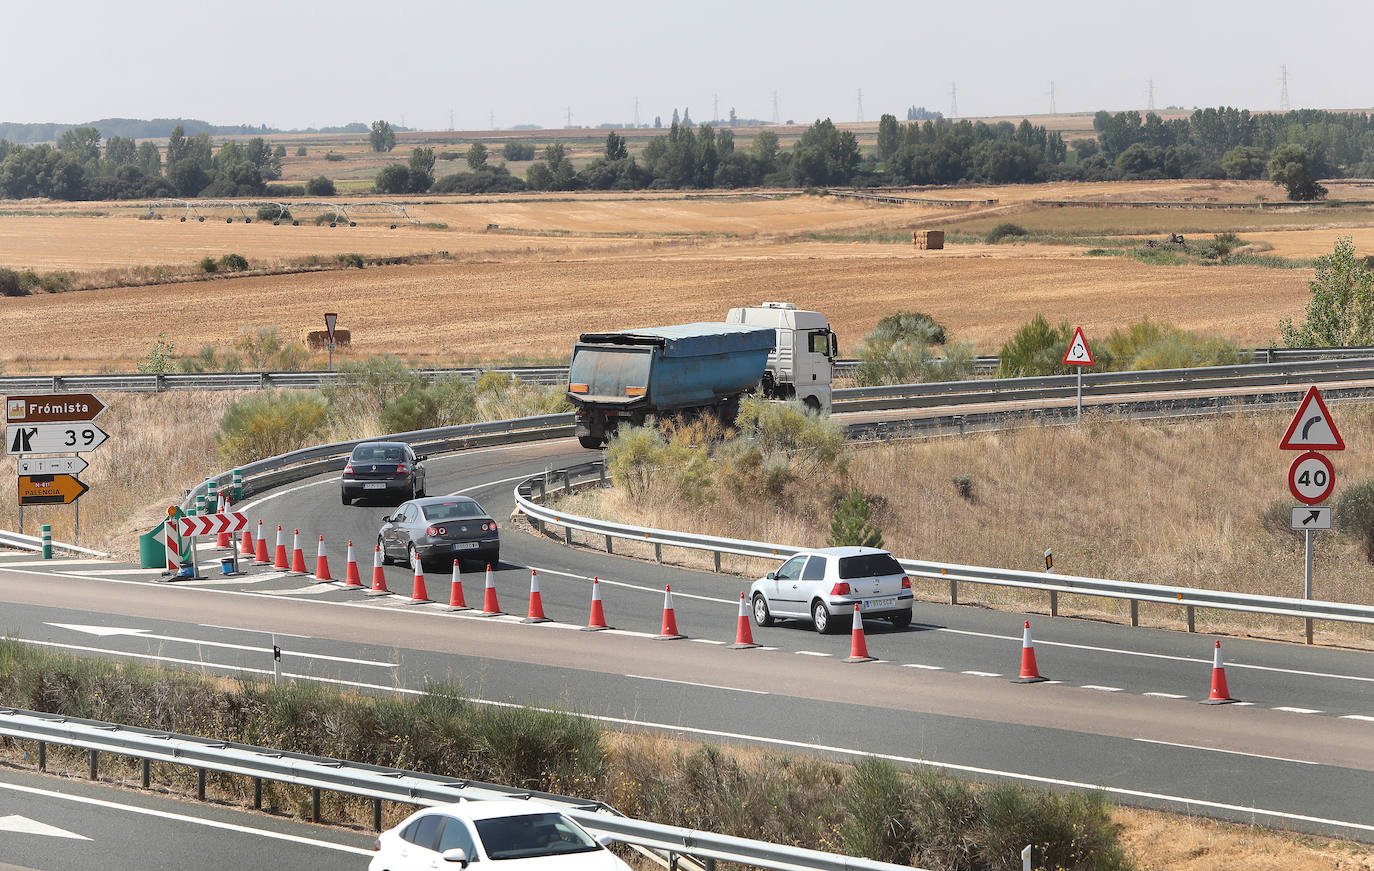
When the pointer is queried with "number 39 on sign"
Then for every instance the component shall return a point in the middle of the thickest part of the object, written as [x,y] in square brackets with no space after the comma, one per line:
[1311,478]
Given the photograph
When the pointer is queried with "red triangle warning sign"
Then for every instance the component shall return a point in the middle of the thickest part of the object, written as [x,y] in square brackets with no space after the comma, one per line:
[1078,353]
[1312,428]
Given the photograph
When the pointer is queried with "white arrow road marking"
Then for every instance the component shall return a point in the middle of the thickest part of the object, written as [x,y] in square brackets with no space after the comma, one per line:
[106,631]
[26,826]
[183,818]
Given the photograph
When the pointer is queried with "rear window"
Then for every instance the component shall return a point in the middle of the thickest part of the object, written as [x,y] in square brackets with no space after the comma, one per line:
[377,454]
[453,511]
[869,565]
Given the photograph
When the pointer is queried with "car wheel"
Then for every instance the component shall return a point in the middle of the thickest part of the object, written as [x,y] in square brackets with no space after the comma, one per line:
[902,620]
[411,557]
[761,614]
[821,618]
[347,500]
[386,560]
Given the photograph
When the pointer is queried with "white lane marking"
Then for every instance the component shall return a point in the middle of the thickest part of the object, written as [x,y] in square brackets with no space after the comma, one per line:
[981,673]
[708,641]
[1243,704]
[1166,695]
[1298,710]
[312,590]
[1090,686]
[1142,654]
[926,667]
[183,818]
[801,745]
[258,631]
[811,653]
[1364,717]
[106,631]
[709,686]
[487,484]
[26,826]
[1050,683]
[638,587]
[1220,750]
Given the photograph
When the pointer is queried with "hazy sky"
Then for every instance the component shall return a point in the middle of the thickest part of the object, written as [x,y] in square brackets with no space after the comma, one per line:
[291,63]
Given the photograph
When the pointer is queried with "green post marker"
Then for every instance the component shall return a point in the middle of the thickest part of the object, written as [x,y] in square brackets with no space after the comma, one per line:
[237,485]
[47,541]
[212,495]
[200,505]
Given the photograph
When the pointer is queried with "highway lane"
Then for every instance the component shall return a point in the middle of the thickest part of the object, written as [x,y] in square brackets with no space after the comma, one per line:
[59,823]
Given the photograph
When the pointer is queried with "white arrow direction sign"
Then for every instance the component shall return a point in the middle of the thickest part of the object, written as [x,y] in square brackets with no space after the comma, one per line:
[53,438]
[52,466]
[26,826]
[107,631]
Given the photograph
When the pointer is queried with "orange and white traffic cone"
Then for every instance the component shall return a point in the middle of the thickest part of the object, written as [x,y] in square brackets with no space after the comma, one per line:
[456,602]
[858,648]
[418,594]
[744,635]
[322,564]
[1030,673]
[1221,694]
[489,606]
[224,539]
[536,612]
[297,556]
[279,555]
[351,577]
[246,548]
[669,631]
[378,575]
[597,621]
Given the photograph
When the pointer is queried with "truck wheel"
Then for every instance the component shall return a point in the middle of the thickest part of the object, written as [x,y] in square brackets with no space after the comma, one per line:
[591,443]
[812,404]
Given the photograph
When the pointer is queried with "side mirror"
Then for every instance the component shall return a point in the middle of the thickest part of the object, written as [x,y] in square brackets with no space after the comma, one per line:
[772,576]
[387,518]
[457,854]
[420,458]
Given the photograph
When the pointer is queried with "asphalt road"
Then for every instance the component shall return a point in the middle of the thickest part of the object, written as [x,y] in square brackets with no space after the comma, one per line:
[1123,715]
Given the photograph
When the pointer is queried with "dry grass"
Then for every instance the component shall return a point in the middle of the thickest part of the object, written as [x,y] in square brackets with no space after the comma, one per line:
[1175,504]
[1182,843]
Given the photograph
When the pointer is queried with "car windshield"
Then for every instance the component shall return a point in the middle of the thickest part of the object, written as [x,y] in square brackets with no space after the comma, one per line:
[453,511]
[378,454]
[530,835]
[869,565]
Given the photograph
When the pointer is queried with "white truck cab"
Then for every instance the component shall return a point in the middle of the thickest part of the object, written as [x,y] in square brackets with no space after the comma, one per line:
[799,366]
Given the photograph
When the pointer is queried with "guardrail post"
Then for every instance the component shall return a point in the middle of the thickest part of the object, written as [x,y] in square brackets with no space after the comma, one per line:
[1135,612]
[95,764]
[376,815]
[567,481]
[159,383]
[315,804]
[658,552]
[609,548]
[56,380]
[1054,603]
[567,535]
[672,861]
[601,467]
[257,793]
[953,591]
[960,418]
[42,755]
[200,784]
[1191,626]
[147,767]
[715,554]
[708,864]
[1308,622]
[540,497]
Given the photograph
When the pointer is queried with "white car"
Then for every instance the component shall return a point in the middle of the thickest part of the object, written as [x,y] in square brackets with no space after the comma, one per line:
[527,835]
[823,586]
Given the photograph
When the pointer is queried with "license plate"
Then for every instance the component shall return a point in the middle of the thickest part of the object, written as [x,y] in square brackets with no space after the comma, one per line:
[466,545]
[872,604]
[377,486]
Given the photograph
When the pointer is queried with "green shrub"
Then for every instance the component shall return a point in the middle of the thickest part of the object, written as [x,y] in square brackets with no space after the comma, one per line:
[10,284]
[1004,230]
[159,360]
[328,218]
[300,151]
[269,423]
[209,359]
[1149,344]
[633,457]
[412,410]
[332,157]
[877,804]
[849,525]
[1355,514]
[815,444]
[233,263]
[320,186]
[55,282]
[209,265]
[263,350]
[454,400]
[349,260]
[905,325]
[1277,518]
[365,387]
[1036,349]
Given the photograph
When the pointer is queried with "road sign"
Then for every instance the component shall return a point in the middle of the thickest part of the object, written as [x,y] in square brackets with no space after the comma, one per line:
[53,438]
[1312,428]
[330,319]
[213,524]
[52,408]
[1311,478]
[52,466]
[1317,517]
[1078,353]
[50,489]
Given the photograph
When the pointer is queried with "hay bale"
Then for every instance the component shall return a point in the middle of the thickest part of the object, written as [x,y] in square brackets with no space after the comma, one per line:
[928,240]
[318,340]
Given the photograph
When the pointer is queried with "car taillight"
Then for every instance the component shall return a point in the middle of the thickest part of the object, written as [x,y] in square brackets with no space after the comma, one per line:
[377,845]
[906,582]
[348,469]
[402,468]
[489,527]
[840,589]
[433,531]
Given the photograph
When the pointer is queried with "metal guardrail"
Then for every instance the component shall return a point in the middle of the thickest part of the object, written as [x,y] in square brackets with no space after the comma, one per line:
[397,785]
[531,492]
[19,541]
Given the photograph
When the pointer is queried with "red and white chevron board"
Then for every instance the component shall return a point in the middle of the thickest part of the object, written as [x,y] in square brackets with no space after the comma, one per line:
[213,524]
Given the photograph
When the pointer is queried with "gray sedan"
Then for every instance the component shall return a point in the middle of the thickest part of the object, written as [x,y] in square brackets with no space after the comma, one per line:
[437,530]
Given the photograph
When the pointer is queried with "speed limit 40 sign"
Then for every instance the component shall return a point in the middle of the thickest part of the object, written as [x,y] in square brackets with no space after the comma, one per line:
[1311,478]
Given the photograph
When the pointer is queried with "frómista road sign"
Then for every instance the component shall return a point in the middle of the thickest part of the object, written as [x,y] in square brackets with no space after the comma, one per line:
[52,408]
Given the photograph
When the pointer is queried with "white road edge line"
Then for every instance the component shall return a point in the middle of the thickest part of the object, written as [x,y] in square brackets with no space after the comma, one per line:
[1220,750]
[1365,717]
[690,683]
[183,818]
[1298,710]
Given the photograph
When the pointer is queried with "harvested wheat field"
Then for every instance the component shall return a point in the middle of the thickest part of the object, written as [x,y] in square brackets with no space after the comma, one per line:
[495,310]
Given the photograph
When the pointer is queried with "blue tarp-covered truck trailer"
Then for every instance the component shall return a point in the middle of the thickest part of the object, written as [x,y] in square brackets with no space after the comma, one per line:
[636,376]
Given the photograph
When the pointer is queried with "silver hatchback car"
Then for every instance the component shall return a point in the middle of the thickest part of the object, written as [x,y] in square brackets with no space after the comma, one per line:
[823,586]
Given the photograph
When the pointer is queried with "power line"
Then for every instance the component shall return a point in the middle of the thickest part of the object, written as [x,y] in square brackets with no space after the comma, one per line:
[1053,111]
[953,100]
[861,106]
[636,111]
[715,108]
[777,119]
[1150,90]
[568,111]
[1283,90]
